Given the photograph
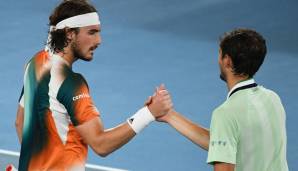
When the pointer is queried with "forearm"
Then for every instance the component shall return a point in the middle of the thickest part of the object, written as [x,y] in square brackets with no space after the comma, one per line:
[19,122]
[104,142]
[112,139]
[19,133]
[194,132]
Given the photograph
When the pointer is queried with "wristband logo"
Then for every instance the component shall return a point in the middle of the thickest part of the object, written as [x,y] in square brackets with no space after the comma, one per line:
[131,120]
[80,96]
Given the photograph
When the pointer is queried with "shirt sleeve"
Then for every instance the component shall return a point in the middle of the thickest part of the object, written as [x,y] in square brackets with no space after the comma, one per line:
[74,95]
[223,138]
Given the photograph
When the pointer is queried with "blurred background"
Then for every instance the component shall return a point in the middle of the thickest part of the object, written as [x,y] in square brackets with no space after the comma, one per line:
[149,42]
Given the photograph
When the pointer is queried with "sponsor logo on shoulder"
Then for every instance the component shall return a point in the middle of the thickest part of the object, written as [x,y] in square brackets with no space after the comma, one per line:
[80,96]
[219,143]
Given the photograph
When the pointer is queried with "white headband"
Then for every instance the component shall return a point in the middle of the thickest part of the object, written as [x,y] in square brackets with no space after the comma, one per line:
[83,20]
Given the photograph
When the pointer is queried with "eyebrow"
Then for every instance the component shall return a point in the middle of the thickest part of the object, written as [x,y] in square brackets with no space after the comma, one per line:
[94,30]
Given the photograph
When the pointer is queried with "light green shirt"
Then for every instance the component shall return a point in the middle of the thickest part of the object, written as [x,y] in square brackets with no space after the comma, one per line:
[248,130]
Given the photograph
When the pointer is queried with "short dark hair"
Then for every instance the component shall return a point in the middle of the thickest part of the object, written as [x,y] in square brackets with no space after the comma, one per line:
[67,9]
[247,50]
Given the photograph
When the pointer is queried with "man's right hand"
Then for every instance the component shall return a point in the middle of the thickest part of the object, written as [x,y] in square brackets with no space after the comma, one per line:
[160,103]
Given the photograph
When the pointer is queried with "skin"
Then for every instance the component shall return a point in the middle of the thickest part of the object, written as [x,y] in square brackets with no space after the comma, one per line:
[19,122]
[194,132]
[102,141]
[86,41]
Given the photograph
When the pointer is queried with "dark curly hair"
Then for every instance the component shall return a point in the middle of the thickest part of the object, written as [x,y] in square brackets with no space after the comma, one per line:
[247,50]
[67,9]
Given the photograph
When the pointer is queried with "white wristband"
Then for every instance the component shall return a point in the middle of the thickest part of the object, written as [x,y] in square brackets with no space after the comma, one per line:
[140,120]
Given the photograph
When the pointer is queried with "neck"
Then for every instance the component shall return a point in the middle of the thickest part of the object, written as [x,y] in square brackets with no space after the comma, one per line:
[234,79]
[67,55]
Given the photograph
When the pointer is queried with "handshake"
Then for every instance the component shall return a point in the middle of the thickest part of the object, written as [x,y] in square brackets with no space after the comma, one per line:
[157,107]
[160,104]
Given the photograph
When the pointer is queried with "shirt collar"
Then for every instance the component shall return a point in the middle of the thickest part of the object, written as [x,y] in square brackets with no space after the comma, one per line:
[241,84]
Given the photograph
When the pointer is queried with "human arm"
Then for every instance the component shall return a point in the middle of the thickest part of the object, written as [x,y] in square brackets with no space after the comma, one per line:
[194,132]
[219,166]
[104,142]
[19,122]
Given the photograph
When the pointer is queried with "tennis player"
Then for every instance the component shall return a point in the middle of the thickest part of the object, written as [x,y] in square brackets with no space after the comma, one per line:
[248,131]
[56,118]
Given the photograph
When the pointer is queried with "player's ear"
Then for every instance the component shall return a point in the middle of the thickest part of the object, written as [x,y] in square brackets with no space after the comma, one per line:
[69,34]
[227,61]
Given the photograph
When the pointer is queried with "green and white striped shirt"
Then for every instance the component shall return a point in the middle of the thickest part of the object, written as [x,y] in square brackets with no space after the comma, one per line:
[249,130]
